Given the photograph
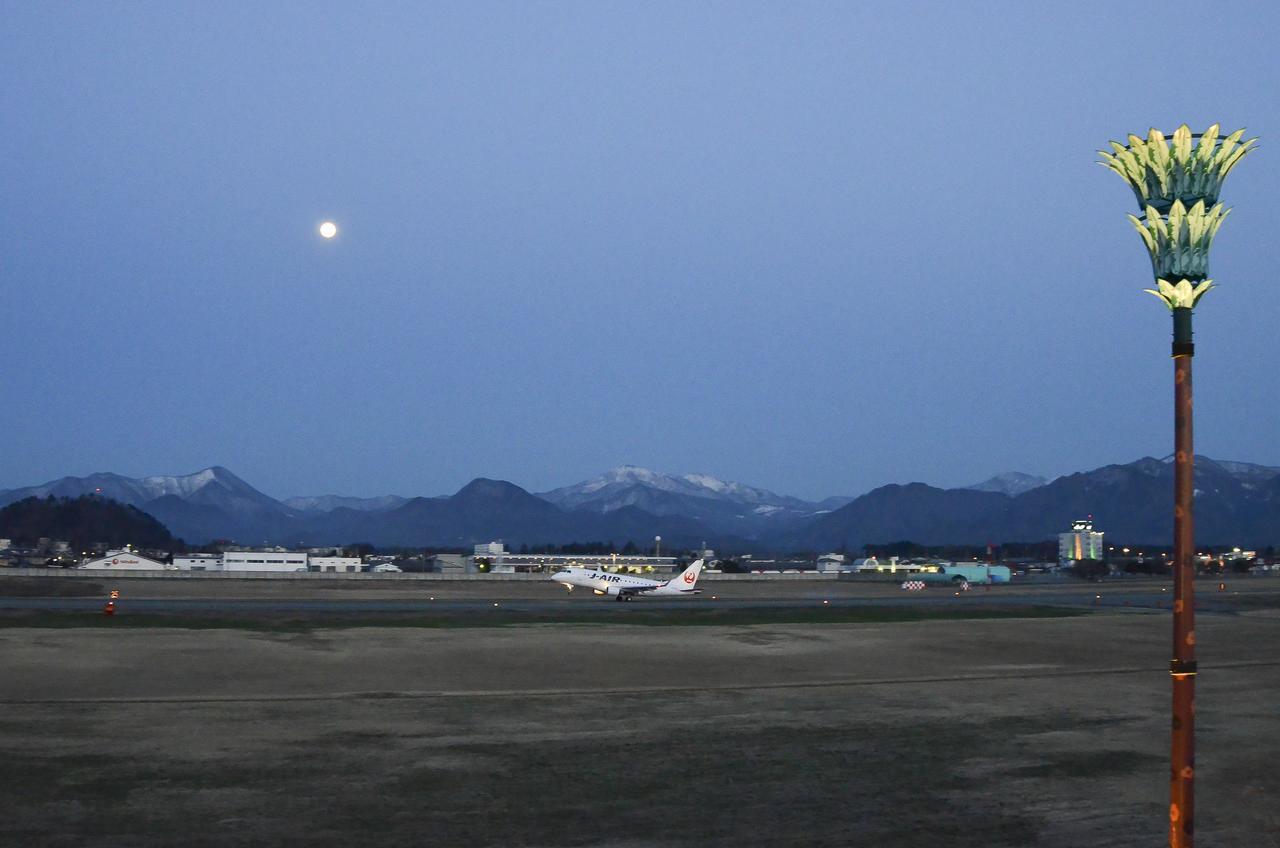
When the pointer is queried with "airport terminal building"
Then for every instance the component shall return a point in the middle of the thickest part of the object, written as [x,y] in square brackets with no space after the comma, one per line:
[495,558]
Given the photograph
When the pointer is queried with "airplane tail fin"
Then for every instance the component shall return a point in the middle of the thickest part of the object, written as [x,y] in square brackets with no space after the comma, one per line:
[687,579]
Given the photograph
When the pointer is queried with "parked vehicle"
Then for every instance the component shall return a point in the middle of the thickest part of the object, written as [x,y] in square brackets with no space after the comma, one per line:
[976,573]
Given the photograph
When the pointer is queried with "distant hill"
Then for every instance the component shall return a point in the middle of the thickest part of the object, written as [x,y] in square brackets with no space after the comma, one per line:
[916,512]
[1009,483]
[212,503]
[1236,503]
[214,485]
[487,510]
[614,489]
[481,511]
[216,504]
[724,508]
[328,503]
[82,521]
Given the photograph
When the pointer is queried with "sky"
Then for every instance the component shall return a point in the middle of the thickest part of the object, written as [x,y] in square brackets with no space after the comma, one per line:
[812,247]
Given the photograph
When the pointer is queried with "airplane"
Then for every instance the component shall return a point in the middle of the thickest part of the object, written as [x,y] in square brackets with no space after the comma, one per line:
[624,587]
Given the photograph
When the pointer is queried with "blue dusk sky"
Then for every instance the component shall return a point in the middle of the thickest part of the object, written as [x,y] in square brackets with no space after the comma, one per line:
[811,247]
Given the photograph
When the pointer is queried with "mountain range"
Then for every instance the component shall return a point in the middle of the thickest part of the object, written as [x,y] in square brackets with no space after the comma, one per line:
[1237,503]
[1009,483]
[724,508]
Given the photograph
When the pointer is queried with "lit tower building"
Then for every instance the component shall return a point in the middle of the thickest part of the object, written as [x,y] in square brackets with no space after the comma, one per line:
[1083,542]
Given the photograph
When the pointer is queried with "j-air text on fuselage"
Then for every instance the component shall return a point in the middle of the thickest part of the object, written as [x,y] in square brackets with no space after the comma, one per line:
[624,587]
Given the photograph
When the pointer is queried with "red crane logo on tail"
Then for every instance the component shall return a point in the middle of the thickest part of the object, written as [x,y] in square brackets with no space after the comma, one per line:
[689,578]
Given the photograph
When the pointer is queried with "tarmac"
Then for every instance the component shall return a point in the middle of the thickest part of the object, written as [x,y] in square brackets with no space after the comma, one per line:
[1018,732]
[170,595]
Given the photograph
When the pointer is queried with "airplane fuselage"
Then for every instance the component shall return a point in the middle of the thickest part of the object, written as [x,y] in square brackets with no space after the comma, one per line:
[625,586]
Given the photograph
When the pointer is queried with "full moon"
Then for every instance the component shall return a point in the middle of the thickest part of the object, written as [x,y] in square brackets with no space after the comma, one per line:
[328,229]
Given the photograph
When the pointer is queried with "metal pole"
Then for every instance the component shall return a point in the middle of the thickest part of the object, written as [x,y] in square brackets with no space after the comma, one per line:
[1183,666]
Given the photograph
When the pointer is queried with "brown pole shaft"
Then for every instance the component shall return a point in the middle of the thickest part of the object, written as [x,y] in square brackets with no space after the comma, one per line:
[1183,667]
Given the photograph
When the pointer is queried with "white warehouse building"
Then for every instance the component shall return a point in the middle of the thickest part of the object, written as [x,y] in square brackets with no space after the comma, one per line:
[334,563]
[264,561]
[197,562]
[125,560]
[245,561]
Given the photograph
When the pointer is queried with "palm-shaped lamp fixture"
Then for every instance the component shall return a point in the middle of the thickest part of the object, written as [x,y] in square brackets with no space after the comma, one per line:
[1177,182]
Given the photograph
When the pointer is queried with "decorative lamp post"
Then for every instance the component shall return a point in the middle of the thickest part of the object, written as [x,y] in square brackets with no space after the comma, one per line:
[1177,182]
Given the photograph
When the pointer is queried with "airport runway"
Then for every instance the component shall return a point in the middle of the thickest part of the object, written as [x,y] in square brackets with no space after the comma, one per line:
[177,597]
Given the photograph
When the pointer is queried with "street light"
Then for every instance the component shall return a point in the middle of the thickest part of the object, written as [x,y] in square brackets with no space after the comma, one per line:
[1177,183]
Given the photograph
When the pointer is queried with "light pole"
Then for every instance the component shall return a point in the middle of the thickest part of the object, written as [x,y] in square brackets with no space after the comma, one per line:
[1177,183]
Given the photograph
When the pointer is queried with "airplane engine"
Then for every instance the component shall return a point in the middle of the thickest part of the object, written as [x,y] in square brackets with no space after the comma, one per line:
[613,591]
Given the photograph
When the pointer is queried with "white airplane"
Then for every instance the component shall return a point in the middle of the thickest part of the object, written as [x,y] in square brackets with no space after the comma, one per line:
[624,587]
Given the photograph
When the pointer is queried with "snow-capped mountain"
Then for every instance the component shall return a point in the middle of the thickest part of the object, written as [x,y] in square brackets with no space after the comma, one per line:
[1250,475]
[732,508]
[212,503]
[328,503]
[1236,503]
[212,486]
[618,488]
[1009,483]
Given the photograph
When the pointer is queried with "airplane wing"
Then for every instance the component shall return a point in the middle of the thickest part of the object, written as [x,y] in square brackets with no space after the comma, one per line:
[638,590]
[633,591]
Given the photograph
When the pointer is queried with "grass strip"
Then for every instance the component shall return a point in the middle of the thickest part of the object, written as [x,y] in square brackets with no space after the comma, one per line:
[293,622]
